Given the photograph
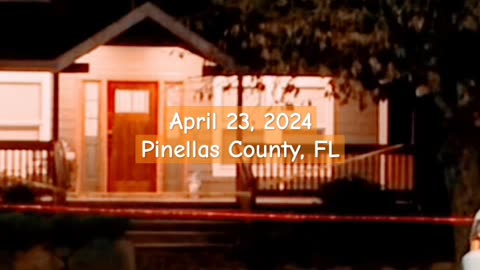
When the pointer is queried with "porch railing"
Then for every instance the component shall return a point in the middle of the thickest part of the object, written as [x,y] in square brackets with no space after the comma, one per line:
[40,165]
[390,167]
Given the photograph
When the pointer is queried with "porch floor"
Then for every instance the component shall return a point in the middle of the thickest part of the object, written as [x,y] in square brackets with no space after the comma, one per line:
[180,199]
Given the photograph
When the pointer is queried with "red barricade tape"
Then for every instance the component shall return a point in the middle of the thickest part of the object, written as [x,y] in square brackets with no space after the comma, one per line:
[133,213]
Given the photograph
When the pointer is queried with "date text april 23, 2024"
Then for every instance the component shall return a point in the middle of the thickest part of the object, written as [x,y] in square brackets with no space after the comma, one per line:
[236,149]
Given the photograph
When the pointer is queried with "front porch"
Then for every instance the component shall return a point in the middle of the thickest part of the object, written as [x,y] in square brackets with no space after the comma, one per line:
[47,167]
[284,186]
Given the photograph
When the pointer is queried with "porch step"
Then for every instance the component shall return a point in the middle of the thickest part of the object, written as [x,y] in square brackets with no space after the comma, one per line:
[184,225]
[182,235]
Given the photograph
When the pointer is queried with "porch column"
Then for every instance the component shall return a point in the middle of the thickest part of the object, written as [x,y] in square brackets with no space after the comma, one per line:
[59,197]
[56,110]
[245,201]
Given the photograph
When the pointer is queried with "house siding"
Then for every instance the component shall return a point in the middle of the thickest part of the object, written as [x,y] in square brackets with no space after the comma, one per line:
[359,126]
[70,121]
[70,113]
[196,92]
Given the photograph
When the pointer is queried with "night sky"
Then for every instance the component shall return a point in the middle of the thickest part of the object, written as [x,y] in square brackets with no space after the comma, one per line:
[45,30]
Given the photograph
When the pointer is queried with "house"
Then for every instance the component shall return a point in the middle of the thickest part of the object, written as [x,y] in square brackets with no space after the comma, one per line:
[103,91]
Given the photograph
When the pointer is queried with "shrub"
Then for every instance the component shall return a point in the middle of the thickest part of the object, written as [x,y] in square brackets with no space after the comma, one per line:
[23,231]
[355,196]
[19,194]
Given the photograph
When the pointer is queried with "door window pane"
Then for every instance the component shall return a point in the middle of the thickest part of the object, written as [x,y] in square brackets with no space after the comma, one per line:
[132,101]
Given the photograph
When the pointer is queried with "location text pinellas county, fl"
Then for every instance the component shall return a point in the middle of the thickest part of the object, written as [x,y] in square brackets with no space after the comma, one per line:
[198,136]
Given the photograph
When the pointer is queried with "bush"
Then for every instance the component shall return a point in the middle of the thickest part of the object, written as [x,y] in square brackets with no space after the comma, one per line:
[23,231]
[19,194]
[355,196]
[50,242]
[77,231]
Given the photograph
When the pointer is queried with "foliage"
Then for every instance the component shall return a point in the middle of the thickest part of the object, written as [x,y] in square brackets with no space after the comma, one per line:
[354,196]
[23,231]
[19,194]
[386,48]
[98,254]
[379,47]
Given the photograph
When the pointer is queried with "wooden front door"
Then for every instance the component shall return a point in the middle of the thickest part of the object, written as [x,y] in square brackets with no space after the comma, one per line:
[132,110]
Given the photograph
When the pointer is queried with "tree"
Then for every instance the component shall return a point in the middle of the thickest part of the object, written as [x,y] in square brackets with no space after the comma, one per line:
[370,46]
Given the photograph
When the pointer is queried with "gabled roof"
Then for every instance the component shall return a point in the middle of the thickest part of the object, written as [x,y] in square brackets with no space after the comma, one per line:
[145,11]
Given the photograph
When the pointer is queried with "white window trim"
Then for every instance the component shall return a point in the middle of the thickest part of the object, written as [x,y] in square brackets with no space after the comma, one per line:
[45,119]
[96,100]
[20,124]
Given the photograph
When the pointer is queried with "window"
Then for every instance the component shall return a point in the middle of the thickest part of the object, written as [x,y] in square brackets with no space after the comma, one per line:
[26,102]
[20,101]
[91,131]
[91,108]
[132,101]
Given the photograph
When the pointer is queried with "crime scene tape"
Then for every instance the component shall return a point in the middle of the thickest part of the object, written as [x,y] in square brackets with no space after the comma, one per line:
[136,213]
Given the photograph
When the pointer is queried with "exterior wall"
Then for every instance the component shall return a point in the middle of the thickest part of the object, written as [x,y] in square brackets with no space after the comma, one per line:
[358,126]
[70,110]
[110,63]
[26,106]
